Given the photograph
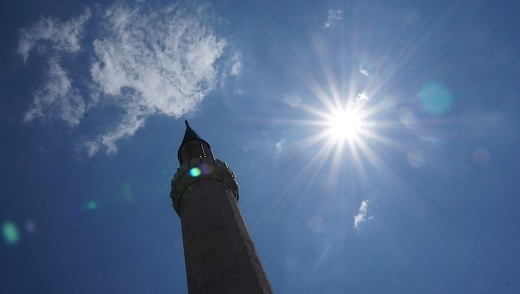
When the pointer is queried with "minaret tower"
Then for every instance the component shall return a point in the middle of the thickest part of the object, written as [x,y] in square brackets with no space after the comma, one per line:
[219,253]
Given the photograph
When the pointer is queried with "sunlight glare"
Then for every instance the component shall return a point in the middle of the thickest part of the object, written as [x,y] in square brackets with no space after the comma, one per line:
[345,124]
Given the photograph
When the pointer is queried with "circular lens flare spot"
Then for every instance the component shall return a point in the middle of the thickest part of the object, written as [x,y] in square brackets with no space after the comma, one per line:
[481,156]
[195,172]
[10,233]
[30,226]
[316,224]
[346,124]
[91,205]
[435,98]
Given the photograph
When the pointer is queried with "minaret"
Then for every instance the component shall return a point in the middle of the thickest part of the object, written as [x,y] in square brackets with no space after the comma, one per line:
[219,253]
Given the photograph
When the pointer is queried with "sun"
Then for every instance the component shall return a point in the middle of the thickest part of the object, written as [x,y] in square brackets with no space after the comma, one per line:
[345,124]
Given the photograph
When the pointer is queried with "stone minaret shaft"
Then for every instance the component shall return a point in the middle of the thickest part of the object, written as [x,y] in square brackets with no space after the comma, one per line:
[219,253]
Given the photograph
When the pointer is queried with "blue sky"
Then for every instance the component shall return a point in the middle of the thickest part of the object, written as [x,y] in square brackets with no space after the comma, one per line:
[375,143]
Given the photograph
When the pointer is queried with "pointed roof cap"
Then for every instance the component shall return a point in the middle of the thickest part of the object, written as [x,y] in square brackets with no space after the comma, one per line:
[189,134]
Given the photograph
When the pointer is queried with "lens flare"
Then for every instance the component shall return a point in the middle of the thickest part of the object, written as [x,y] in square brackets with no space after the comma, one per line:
[91,205]
[30,226]
[127,191]
[195,172]
[206,169]
[435,98]
[10,233]
[481,156]
[316,224]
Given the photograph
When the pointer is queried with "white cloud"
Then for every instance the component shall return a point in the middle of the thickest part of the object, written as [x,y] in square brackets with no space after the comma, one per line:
[144,61]
[333,16]
[56,98]
[236,68]
[362,214]
[361,98]
[166,59]
[279,146]
[61,36]
[132,121]
[265,144]
[363,70]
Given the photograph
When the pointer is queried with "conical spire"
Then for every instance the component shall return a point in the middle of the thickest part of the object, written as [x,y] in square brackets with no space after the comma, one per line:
[189,134]
[193,146]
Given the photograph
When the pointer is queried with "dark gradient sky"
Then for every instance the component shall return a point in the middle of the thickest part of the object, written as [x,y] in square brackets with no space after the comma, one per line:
[422,199]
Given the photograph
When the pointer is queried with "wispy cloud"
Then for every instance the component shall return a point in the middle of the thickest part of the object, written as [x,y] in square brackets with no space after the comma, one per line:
[53,34]
[333,16]
[144,61]
[361,98]
[236,68]
[57,97]
[362,214]
[363,70]
[265,145]
[166,59]
[279,146]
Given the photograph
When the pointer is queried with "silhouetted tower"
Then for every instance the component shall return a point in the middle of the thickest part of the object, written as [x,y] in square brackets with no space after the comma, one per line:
[219,254]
